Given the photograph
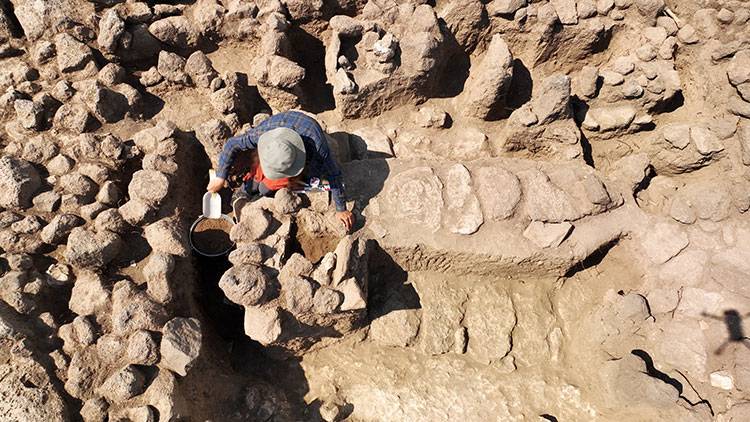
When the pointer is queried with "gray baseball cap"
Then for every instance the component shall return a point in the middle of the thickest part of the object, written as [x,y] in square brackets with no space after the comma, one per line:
[281,153]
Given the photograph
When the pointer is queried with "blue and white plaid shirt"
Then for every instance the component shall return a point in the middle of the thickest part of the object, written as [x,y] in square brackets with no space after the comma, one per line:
[319,162]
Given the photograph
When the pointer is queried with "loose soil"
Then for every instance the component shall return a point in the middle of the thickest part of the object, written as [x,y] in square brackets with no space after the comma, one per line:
[211,236]
[314,248]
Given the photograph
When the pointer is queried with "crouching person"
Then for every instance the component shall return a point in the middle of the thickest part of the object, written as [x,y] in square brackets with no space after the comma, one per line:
[285,150]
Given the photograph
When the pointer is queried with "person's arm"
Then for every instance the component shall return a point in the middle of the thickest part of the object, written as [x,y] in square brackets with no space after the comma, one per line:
[332,173]
[231,148]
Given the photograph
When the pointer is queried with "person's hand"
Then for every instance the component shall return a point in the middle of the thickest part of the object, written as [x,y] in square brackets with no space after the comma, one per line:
[347,218]
[216,184]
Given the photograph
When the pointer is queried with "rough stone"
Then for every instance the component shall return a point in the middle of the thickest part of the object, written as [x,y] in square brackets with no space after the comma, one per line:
[326,300]
[19,181]
[87,249]
[59,228]
[72,55]
[175,31]
[89,295]
[200,70]
[172,68]
[552,100]
[664,241]
[547,235]
[566,11]
[148,186]
[397,328]
[124,384]
[489,83]
[168,236]
[286,202]
[263,324]
[462,214]
[181,343]
[245,285]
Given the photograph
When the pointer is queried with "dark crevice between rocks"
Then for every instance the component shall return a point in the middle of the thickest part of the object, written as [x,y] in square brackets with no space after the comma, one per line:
[665,378]
[674,103]
[318,92]
[388,288]
[455,67]
[547,416]
[594,259]
[15,24]
[645,183]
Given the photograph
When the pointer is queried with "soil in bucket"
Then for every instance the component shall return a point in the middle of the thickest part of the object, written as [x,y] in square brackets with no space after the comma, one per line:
[211,236]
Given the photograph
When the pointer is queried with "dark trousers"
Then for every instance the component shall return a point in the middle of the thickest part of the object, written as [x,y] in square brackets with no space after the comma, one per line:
[253,188]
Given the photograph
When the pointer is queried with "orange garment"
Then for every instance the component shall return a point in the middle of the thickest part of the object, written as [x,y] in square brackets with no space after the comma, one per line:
[256,173]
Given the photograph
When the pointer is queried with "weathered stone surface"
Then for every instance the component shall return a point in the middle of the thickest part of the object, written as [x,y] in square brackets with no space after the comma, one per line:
[142,349]
[415,196]
[663,242]
[59,228]
[149,186]
[547,235]
[89,295]
[87,249]
[247,254]
[298,295]
[326,300]
[133,310]
[200,70]
[490,318]
[613,118]
[498,190]
[489,82]
[253,225]
[168,236]
[397,328]
[19,181]
[355,298]
[566,11]
[245,285]
[504,7]
[107,104]
[262,324]
[72,55]
[552,100]
[124,384]
[705,142]
[172,68]
[544,201]
[181,343]
[286,202]
[462,214]
[175,31]
[677,134]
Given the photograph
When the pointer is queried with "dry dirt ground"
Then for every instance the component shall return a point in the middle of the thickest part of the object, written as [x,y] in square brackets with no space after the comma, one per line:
[551,202]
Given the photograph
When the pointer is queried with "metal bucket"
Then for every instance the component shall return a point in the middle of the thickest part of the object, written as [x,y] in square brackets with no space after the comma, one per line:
[196,249]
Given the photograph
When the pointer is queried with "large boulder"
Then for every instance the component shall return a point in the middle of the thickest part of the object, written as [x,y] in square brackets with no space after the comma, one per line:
[149,186]
[245,285]
[60,227]
[87,249]
[175,31]
[19,181]
[72,55]
[168,236]
[489,81]
[180,344]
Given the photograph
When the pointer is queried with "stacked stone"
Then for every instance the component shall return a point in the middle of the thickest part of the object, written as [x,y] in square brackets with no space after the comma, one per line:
[287,301]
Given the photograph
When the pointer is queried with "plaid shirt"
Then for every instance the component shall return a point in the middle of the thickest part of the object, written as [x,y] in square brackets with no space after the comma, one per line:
[319,162]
